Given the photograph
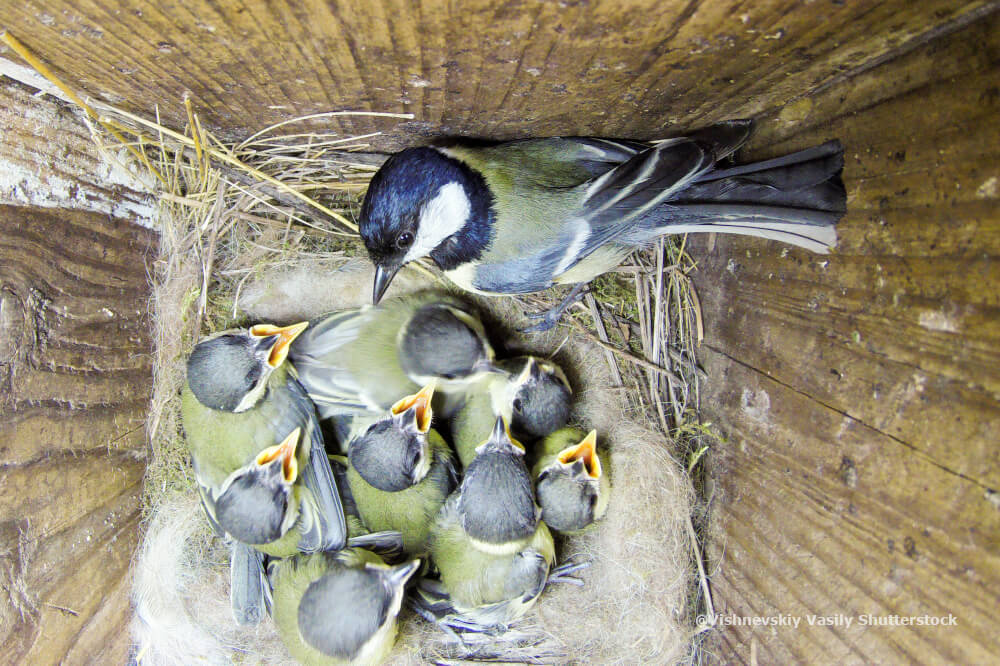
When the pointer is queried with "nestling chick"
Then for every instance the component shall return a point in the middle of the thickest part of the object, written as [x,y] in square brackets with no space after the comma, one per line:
[254,439]
[522,216]
[362,360]
[532,395]
[401,471]
[491,549]
[571,480]
[338,608]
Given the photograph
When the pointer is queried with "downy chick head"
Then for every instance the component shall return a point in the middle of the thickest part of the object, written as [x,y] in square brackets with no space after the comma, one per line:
[347,614]
[418,204]
[496,500]
[570,487]
[229,371]
[443,342]
[257,503]
[539,396]
[394,453]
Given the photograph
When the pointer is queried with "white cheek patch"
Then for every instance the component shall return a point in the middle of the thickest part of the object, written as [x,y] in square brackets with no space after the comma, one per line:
[441,217]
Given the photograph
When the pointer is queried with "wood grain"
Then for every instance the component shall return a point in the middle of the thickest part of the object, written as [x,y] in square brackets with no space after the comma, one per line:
[861,390]
[77,374]
[501,68]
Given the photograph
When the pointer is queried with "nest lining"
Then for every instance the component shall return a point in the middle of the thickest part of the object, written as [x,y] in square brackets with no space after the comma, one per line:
[250,231]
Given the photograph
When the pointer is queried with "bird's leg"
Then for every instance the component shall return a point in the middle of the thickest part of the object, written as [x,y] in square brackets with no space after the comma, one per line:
[551,317]
[441,623]
[561,574]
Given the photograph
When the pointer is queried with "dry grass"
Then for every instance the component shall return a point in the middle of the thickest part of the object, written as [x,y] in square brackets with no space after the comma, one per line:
[266,229]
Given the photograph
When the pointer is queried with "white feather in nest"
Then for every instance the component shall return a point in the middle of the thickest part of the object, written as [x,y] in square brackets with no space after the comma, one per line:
[633,607]
[180,595]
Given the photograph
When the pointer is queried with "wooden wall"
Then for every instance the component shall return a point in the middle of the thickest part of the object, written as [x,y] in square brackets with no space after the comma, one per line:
[859,390]
[629,68]
[75,383]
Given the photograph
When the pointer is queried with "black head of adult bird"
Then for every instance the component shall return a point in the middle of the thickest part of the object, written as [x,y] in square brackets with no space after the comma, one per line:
[523,216]
[239,406]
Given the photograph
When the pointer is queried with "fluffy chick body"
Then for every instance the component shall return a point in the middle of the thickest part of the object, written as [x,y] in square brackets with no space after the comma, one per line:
[410,511]
[361,360]
[360,621]
[222,442]
[487,585]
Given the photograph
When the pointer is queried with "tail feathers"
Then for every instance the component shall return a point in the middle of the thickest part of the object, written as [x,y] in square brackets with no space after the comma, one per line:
[249,591]
[797,199]
[806,179]
[817,238]
[724,138]
[830,149]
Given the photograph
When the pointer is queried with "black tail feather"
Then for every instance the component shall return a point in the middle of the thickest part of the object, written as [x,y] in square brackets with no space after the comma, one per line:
[809,179]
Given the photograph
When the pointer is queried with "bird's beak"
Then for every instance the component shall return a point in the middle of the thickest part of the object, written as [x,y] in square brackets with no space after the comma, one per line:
[398,575]
[585,451]
[383,276]
[285,451]
[421,403]
[283,337]
[502,438]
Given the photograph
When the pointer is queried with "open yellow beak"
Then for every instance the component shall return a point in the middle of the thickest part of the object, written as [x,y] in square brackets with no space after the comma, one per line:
[585,451]
[286,451]
[285,335]
[421,401]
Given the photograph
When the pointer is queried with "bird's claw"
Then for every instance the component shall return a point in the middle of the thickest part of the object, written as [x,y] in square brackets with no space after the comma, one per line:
[561,574]
[549,318]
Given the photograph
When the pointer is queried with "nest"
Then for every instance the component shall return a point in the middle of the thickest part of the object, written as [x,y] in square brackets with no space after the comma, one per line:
[265,230]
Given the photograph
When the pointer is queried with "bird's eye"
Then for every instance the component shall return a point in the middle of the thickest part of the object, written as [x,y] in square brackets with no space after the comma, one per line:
[404,240]
[517,405]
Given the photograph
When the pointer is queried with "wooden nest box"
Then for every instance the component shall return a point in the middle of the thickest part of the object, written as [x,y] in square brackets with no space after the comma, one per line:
[859,391]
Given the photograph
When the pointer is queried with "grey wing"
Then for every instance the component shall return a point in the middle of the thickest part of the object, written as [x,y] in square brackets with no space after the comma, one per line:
[636,187]
[208,504]
[322,515]
[315,355]
[387,544]
[617,199]
[527,575]
[249,589]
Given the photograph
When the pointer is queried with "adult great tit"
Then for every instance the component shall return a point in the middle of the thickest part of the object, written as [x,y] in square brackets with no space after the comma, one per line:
[400,471]
[531,394]
[571,480]
[338,608]
[258,455]
[363,359]
[522,216]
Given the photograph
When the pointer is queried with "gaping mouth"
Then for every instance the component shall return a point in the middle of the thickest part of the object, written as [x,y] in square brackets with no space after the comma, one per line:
[286,451]
[285,335]
[420,402]
[585,451]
